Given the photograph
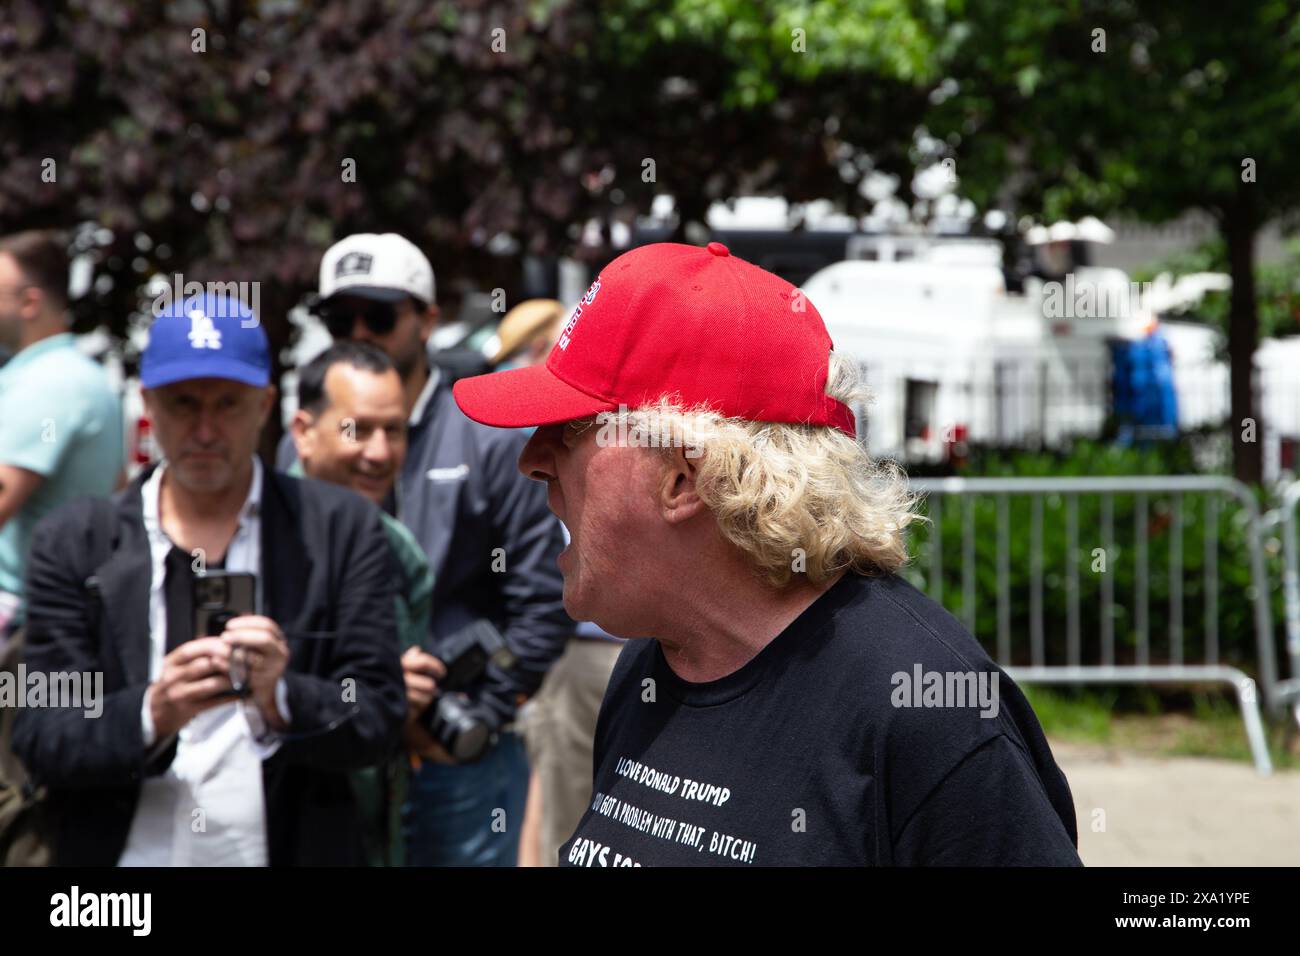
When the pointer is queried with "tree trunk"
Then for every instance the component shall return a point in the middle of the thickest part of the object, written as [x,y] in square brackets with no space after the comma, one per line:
[1247,430]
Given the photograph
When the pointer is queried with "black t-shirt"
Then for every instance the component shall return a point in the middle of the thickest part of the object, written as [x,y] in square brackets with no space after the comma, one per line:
[872,730]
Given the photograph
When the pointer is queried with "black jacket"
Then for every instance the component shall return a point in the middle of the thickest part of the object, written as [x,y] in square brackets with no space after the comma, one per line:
[328,581]
[490,538]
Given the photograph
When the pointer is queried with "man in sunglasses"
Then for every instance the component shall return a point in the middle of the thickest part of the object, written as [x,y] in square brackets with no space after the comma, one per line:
[491,542]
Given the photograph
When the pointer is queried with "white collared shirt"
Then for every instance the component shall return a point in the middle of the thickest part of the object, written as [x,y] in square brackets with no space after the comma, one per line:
[209,808]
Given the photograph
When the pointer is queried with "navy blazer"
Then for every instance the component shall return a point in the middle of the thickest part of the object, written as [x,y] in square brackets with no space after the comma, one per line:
[328,579]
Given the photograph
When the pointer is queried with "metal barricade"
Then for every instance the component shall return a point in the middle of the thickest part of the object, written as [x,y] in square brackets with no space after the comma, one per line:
[1107,669]
[1286,514]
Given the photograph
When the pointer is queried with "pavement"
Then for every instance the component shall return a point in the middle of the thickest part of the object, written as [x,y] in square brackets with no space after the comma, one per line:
[1139,810]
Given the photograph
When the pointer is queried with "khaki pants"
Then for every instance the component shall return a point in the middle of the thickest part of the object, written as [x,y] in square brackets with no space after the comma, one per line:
[560,730]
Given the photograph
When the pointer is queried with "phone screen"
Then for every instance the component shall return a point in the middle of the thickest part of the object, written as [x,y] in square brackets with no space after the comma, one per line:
[220,596]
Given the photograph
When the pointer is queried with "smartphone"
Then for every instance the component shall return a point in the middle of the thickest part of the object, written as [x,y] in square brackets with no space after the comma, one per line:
[218,597]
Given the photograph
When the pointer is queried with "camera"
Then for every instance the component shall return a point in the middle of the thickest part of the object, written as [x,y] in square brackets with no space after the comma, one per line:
[465,728]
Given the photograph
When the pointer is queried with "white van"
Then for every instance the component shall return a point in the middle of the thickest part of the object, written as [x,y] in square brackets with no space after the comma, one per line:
[951,355]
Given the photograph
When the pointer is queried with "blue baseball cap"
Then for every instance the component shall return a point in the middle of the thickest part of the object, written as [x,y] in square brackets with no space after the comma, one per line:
[206,336]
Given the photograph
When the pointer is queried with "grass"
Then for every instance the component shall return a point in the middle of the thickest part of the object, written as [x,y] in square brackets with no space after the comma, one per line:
[1205,723]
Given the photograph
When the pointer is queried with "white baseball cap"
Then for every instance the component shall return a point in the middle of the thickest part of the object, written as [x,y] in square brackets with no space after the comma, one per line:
[383,267]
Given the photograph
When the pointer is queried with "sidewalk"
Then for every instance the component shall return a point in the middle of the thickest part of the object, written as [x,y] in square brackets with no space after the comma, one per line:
[1179,811]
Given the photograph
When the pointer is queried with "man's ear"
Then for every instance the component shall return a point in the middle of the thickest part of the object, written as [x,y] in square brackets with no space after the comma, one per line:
[267,402]
[428,321]
[34,303]
[679,497]
[303,430]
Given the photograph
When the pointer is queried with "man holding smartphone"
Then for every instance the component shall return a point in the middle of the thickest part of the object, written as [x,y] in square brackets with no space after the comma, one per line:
[184,766]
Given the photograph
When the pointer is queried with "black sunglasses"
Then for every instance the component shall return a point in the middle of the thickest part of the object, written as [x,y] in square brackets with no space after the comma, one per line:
[339,317]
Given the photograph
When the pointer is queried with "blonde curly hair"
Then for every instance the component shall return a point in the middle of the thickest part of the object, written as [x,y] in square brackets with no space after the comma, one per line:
[800,501]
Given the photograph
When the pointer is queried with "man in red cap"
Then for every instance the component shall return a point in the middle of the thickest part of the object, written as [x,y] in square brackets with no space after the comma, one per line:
[798,703]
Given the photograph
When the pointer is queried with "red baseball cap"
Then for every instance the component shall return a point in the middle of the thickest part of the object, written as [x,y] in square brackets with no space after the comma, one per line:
[697,325]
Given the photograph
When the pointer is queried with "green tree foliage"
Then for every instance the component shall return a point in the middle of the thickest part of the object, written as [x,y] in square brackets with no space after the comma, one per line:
[213,138]
[1140,106]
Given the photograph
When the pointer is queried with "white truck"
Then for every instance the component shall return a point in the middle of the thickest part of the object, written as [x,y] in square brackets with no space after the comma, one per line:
[951,355]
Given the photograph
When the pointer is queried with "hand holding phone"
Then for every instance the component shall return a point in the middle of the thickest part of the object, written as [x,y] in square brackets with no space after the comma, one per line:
[193,679]
[259,646]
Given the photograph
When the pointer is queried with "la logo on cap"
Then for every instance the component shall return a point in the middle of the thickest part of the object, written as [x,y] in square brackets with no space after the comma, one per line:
[203,334]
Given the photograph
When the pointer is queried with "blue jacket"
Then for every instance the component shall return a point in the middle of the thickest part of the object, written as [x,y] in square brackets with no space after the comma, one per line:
[490,538]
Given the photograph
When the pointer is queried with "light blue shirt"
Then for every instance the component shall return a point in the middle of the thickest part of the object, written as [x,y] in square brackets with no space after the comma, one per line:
[59,418]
